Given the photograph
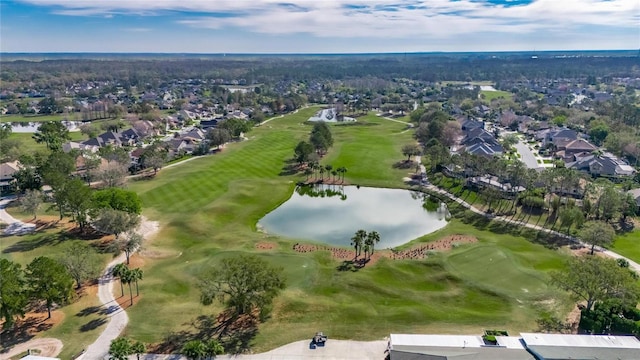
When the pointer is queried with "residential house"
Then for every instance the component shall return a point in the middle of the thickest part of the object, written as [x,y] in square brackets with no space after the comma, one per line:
[72,145]
[606,165]
[478,141]
[82,159]
[177,147]
[135,156]
[195,135]
[467,123]
[207,124]
[144,128]
[556,136]
[482,182]
[7,170]
[129,137]
[568,151]
[636,195]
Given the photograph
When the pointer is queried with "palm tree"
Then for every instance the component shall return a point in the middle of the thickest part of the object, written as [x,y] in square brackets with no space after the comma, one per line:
[321,168]
[118,271]
[138,348]
[357,240]
[342,170]
[128,278]
[328,169]
[120,349]
[213,348]
[334,173]
[137,275]
[194,350]
[308,171]
[314,166]
[372,239]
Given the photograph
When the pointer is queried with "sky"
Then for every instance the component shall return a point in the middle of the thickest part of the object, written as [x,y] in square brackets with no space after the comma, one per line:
[317,26]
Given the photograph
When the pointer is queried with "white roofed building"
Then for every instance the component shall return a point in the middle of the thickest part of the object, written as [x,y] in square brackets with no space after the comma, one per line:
[527,346]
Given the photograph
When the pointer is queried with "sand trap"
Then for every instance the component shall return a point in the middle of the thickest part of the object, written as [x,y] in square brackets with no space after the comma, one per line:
[266,246]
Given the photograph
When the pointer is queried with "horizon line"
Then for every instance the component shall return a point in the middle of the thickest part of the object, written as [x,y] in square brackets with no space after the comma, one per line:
[312,53]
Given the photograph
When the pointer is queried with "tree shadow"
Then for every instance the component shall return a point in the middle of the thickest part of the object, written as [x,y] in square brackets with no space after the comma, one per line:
[23,330]
[89,310]
[93,324]
[234,332]
[352,265]
[290,167]
[404,164]
[36,242]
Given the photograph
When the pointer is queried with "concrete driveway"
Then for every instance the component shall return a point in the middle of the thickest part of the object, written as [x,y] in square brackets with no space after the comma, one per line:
[526,155]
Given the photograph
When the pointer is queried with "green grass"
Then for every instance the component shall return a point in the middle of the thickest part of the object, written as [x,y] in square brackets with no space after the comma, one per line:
[628,245]
[28,145]
[36,118]
[209,207]
[491,95]
[81,323]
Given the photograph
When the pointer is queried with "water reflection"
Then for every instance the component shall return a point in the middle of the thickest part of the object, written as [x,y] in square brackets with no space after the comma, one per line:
[332,214]
[32,127]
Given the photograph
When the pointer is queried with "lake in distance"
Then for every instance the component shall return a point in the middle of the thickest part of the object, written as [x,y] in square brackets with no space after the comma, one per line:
[332,214]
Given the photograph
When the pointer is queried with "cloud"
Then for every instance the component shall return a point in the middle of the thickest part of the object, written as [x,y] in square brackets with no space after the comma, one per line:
[436,19]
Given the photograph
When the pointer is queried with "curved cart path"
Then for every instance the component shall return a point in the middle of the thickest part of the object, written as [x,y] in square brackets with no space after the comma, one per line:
[632,264]
[14,226]
[118,318]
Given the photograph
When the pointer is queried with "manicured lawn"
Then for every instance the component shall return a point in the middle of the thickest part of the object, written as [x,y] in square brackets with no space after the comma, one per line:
[209,208]
[628,245]
[28,145]
[37,118]
[490,95]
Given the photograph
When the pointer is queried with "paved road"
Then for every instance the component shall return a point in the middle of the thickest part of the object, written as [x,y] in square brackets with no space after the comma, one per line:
[299,350]
[526,155]
[14,226]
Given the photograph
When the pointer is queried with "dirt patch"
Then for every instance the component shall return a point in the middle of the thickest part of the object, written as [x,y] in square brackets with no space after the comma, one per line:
[573,319]
[148,228]
[136,261]
[26,328]
[157,254]
[125,301]
[444,244]
[48,347]
[266,246]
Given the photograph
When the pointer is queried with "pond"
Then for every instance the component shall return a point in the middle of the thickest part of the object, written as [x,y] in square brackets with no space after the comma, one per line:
[32,127]
[332,214]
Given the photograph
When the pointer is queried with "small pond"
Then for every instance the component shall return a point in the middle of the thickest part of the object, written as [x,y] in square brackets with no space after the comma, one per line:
[32,127]
[332,214]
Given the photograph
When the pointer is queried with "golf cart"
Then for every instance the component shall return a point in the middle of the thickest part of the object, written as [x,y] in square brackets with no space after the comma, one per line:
[319,339]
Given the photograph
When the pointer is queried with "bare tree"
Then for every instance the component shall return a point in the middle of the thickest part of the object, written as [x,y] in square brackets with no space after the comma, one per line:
[31,201]
[113,174]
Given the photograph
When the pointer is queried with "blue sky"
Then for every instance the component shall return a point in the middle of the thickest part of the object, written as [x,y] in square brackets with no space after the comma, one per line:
[317,26]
